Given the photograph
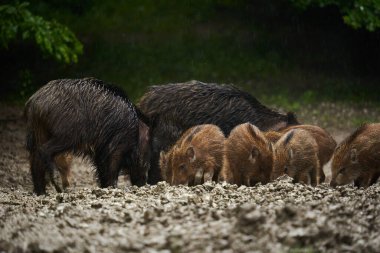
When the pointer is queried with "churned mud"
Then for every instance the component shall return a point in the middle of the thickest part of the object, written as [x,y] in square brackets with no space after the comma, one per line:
[277,217]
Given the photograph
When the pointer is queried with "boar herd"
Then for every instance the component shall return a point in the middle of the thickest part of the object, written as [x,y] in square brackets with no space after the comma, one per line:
[186,133]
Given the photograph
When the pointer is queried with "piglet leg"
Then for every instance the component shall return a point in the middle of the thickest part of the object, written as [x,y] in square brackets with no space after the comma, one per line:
[208,176]
[198,176]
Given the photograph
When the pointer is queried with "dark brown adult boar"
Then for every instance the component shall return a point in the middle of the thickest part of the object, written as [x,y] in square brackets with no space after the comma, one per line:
[248,156]
[90,118]
[357,158]
[196,157]
[296,154]
[184,105]
[326,144]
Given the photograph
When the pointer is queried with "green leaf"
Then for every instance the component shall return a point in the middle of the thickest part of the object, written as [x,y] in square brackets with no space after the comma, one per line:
[53,38]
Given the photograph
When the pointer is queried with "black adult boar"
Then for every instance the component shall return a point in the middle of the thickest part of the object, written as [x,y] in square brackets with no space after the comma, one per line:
[184,105]
[86,117]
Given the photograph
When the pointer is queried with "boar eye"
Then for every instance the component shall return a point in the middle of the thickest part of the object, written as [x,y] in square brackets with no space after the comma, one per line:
[342,170]
[182,167]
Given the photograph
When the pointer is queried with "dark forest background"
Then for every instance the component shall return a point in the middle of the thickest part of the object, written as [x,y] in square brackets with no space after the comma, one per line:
[286,52]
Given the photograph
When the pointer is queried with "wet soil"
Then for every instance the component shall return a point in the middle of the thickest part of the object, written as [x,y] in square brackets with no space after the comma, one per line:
[214,217]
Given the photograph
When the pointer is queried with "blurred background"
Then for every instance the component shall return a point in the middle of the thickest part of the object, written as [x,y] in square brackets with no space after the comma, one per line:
[285,52]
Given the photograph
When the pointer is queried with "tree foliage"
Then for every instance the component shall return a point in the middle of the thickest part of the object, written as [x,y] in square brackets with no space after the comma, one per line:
[356,13]
[53,38]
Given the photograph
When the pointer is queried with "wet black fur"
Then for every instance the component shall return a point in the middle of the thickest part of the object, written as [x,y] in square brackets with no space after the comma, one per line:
[194,103]
[165,135]
[85,117]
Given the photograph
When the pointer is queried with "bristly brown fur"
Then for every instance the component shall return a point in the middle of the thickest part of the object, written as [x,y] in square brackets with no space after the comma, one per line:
[357,157]
[296,154]
[326,143]
[354,135]
[272,136]
[247,156]
[206,145]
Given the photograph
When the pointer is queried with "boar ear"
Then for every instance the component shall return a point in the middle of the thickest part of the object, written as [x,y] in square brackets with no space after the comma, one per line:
[191,154]
[254,154]
[291,153]
[354,155]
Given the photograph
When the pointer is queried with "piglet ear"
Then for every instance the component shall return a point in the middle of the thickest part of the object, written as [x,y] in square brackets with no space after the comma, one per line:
[191,154]
[354,155]
[254,154]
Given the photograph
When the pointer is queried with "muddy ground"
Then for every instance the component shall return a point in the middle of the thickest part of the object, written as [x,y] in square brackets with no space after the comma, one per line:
[277,217]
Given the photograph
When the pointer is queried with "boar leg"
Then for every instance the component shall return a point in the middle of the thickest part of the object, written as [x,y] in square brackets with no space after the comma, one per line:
[52,180]
[108,172]
[198,176]
[304,178]
[221,178]
[313,176]
[362,181]
[321,175]
[127,179]
[226,176]
[374,178]
[208,176]
[248,181]
[47,152]
[38,170]
[108,175]
[229,178]
[103,174]
[63,163]
[226,173]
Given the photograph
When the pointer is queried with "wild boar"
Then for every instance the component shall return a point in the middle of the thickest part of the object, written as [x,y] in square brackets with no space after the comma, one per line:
[185,105]
[296,154]
[196,157]
[357,158]
[326,144]
[248,156]
[86,117]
